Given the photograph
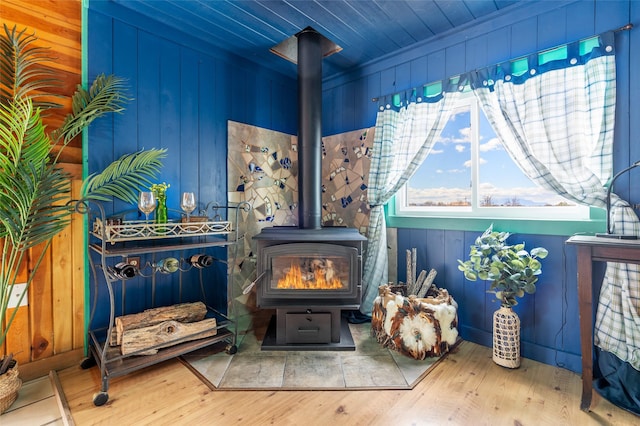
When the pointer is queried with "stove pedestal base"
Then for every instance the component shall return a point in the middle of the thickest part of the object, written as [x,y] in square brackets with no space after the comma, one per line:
[307,333]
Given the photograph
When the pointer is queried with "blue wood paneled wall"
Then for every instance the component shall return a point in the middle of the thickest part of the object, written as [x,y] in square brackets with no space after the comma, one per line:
[550,317]
[184,92]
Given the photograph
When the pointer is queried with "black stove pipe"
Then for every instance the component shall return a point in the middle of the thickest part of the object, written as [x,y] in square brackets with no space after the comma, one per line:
[309,129]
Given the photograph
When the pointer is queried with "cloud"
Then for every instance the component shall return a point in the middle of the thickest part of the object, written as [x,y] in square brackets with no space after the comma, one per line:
[464,136]
[492,144]
[465,132]
[528,195]
[467,163]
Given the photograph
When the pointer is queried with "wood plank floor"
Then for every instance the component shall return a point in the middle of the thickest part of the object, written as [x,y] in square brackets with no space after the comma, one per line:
[466,388]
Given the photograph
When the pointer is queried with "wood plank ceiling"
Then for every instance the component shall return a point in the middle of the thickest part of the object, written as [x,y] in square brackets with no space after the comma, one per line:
[365,29]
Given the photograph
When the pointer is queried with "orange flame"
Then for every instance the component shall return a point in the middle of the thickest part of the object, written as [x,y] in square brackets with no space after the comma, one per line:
[294,279]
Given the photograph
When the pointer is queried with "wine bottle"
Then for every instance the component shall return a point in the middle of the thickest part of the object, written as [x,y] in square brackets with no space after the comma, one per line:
[124,270]
[168,265]
[201,260]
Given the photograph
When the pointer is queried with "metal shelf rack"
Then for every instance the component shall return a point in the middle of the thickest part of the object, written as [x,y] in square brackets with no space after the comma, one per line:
[125,238]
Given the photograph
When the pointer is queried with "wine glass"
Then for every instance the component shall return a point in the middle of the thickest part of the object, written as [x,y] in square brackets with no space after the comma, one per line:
[147,203]
[188,203]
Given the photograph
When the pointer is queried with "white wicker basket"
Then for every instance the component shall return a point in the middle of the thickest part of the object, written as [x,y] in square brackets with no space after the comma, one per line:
[506,338]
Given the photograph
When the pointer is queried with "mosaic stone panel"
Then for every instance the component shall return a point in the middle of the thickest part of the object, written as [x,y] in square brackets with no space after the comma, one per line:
[263,169]
[346,159]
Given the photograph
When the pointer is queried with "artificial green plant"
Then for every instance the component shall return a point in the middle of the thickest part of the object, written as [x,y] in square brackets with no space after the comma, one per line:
[511,270]
[33,186]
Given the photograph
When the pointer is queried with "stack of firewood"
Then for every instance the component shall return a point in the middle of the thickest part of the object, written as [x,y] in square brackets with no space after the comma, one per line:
[146,332]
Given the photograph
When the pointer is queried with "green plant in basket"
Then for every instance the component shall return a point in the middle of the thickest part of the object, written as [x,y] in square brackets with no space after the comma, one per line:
[512,270]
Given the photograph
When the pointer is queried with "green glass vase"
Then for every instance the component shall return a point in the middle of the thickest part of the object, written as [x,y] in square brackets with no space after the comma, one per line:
[161,212]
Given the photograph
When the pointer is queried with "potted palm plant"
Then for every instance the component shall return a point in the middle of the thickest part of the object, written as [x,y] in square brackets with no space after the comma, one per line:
[33,186]
[512,272]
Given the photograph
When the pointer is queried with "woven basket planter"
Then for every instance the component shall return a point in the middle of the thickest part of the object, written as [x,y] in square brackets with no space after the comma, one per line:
[10,384]
[506,338]
[416,327]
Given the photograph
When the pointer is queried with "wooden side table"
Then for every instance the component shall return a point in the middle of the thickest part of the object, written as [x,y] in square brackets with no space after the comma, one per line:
[595,249]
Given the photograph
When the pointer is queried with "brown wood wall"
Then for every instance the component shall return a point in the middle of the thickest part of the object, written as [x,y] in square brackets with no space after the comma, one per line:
[53,322]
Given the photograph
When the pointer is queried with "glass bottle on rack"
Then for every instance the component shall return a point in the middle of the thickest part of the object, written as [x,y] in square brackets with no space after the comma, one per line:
[168,265]
[201,260]
[124,270]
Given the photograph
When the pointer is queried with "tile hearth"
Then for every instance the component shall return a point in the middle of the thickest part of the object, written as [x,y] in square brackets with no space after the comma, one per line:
[370,366]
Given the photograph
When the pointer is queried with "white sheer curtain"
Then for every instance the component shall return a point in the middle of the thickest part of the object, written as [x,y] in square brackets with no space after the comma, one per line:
[403,138]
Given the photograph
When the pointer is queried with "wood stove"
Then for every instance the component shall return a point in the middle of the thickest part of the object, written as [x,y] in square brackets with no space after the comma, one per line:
[309,277]
[309,273]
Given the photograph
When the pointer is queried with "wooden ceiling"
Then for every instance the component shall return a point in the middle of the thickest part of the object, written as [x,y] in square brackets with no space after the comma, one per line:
[365,29]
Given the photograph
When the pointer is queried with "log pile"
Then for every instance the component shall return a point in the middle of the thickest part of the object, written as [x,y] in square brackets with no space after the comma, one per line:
[146,332]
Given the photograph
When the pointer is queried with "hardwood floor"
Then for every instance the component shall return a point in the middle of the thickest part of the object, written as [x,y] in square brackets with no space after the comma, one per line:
[466,388]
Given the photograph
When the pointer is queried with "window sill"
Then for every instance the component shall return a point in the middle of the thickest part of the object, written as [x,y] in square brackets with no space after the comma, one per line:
[595,224]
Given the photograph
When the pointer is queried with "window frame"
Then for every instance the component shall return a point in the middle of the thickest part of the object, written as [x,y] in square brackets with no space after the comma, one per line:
[522,220]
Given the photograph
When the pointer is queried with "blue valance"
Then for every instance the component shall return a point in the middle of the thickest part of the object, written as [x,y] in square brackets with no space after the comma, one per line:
[569,55]
[515,71]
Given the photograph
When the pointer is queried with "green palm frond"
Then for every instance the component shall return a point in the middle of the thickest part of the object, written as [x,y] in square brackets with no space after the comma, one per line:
[24,151]
[49,214]
[22,73]
[105,95]
[30,185]
[22,136]
[40,194]
[123,177]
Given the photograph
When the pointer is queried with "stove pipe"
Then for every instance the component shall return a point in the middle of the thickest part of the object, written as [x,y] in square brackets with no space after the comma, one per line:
[307,49]
[309,129]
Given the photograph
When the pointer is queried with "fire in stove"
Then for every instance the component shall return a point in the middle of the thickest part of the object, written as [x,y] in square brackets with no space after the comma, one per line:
[311,273]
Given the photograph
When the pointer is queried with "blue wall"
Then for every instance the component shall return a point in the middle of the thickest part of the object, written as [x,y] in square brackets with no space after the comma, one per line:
[550,317]
[185,92]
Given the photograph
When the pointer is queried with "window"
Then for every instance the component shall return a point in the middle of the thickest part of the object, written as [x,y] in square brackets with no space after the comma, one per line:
[468,173]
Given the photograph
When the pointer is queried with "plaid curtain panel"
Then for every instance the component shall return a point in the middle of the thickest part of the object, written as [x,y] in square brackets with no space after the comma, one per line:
[402,140]
[618,315]
[558,127]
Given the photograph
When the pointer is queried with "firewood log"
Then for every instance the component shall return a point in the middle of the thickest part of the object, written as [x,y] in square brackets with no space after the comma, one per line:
[426,284]
[183,312]
[165,334]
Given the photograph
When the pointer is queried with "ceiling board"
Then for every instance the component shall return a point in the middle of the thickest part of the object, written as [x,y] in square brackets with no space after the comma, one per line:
[366,30]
